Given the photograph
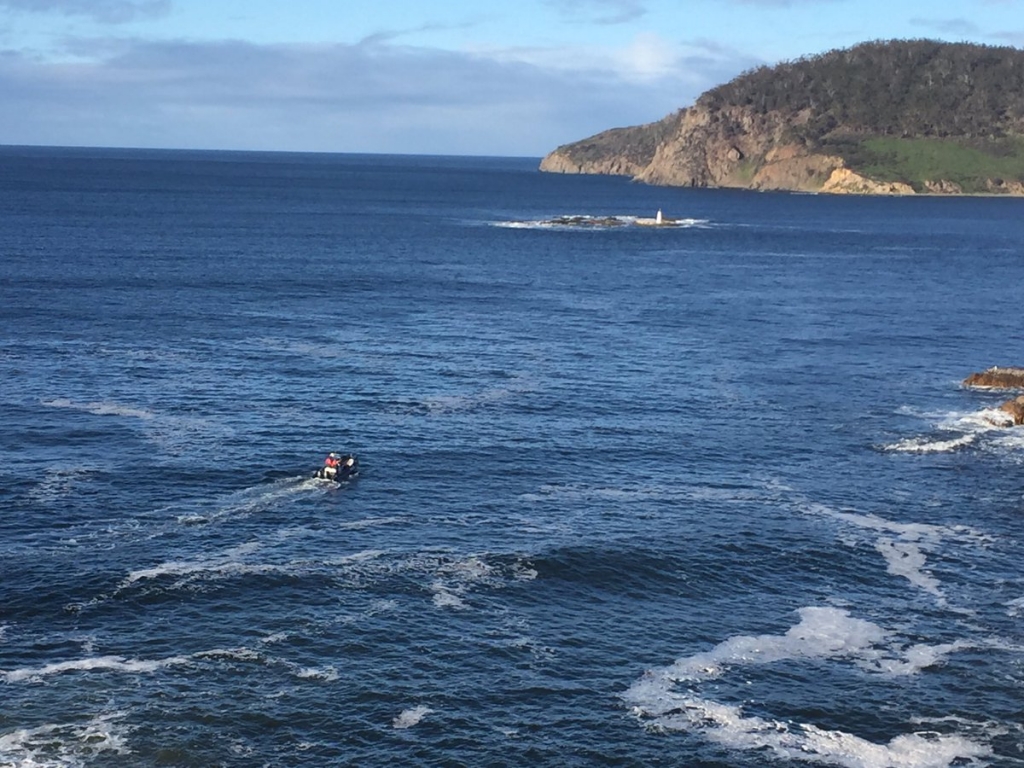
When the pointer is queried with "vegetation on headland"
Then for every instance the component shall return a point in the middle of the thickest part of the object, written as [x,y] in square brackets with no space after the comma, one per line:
[970,164]
[911,114]
[902,88]
[908,111]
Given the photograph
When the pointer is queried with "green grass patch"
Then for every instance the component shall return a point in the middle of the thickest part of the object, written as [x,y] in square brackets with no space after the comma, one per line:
[914,161]
[746,169]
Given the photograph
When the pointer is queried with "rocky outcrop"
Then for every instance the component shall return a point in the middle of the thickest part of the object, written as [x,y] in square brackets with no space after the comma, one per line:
[1004,187]
[608,166]
[996,378]
[844,181]
[616,152]
[1015,408]
[943,187]
[703,147]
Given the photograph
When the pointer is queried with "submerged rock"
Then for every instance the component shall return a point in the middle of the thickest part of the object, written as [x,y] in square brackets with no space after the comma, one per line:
[587,221]
[997,378]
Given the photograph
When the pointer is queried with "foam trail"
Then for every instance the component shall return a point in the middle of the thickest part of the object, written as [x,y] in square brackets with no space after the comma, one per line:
[103,663]
[410,717]
[587,222]
[926,445]
[445,599]
[822,633]
[1013,608]
[64,745]
[100,408]
[905,558]
[726,725]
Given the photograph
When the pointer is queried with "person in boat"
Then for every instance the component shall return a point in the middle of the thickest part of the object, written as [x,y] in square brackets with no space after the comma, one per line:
[331,465]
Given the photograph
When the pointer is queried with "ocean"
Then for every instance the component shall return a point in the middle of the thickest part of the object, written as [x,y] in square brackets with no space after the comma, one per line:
[705,494]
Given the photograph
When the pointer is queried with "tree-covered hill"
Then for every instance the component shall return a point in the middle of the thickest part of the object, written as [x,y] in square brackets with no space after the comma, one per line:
[906,88]
[889,117]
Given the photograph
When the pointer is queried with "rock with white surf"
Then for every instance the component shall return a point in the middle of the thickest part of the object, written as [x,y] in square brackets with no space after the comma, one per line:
[996,378]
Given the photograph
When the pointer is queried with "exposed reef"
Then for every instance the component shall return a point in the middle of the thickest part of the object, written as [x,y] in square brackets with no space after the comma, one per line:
[996,378]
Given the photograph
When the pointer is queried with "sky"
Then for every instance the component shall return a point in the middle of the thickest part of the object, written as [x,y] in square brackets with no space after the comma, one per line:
[450,77]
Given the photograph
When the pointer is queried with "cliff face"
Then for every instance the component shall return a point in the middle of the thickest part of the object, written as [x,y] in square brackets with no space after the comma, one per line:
[736,147]
[779,129]
[617,152]
[733,147]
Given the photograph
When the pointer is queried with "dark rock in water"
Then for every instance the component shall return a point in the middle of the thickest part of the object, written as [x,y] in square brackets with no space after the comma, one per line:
[1015,408]
[587,221]
[997,378]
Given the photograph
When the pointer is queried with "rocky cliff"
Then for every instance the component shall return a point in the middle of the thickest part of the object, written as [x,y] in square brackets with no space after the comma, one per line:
[809,126]
[737,148]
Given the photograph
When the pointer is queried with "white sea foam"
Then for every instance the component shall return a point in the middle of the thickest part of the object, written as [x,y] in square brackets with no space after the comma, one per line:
[369,522]
[930,445]
[175,434]
[227,563]
[65,745]
[232,563]
[985,427]
[822,633]
[915,658]
[444,598]
[906,554]
[727,725]
[1011,440]
[96,663]
[905,558]
[58,483]
[410,717]
[589,223]
[231,654]
[326,674]
[253,500]
[1013,608]
[100,408]
[909,531]
[652,492]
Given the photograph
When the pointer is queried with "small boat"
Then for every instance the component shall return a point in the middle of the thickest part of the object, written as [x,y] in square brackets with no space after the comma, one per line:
[338,468]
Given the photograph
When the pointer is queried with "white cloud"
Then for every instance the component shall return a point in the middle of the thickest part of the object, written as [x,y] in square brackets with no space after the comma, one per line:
[371,97]
[947,26]
[601,11]
[106,11]
[649,57]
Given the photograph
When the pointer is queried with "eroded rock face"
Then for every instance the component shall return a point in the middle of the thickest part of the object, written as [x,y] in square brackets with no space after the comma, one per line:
[558,162]
[843,181]
[1003,187]
[732,147]
[943,187]
[1015,408]
[997,378]
[736,147]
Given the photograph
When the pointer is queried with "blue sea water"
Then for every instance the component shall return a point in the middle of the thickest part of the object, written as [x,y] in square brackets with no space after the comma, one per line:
[700,495]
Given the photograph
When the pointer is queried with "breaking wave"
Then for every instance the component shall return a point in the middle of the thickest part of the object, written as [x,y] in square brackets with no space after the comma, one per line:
[669,698]
[588,222]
